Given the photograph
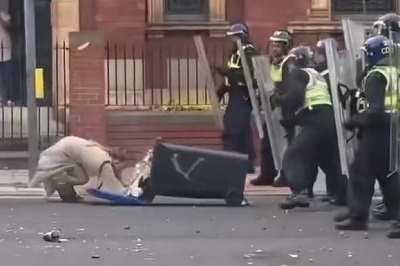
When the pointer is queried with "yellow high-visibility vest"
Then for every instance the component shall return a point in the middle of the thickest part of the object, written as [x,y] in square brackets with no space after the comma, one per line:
[234,61]
[276,71]
[317,90]
[392,86]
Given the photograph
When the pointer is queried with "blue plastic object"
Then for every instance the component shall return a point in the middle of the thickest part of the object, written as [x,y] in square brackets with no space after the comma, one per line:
[118,199]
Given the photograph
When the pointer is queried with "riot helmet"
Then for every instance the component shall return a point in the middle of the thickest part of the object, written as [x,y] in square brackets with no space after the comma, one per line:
[301,55]
[376,49]
[281,43]
[319,55]
[320,47]
[238,30]
[386,23]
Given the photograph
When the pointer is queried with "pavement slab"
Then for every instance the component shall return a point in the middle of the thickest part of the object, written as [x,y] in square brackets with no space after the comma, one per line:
[186,232]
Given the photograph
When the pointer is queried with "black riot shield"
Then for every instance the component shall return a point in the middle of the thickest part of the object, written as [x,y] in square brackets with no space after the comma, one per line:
[190,172]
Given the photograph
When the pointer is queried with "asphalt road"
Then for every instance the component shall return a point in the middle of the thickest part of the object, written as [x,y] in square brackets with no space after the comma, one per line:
[185,235]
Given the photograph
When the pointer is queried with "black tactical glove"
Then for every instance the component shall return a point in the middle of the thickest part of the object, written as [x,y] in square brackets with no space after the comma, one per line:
[276,100]
[350,125]
[357,121]
[221,91]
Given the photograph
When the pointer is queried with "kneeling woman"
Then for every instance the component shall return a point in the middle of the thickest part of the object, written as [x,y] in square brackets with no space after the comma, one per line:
[73,161]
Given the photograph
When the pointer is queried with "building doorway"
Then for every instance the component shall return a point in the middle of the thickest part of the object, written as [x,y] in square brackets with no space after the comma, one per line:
[44,48]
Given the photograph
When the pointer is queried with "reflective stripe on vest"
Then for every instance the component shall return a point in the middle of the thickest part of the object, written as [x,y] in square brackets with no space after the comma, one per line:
[234,63]
[391,75]
[317,91]
[276,71]
[323,73]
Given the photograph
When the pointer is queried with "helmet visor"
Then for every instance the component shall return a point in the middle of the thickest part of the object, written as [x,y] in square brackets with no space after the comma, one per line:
[234,33]
[278,39]
[378,28]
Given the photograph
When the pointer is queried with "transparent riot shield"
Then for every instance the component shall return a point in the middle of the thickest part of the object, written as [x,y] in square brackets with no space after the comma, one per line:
[205,66]
[354,37]
[333,63]
[249,82]
[346,79]
[276,133]
[394,62]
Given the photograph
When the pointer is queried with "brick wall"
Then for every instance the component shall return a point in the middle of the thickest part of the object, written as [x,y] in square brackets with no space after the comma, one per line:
[87,83]
[138,131]
[120,20]
[264,17]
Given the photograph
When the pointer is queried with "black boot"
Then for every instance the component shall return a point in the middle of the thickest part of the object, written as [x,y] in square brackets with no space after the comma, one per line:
[394,231]
[251,170]
[380,212]
[310,193]
[279,180]
[341,216]
[338,201]
[326,198]
[300,200]
[339,195]
[262,180]
[352,224]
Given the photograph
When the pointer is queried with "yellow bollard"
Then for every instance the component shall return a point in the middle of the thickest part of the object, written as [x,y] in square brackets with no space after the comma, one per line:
[39,83]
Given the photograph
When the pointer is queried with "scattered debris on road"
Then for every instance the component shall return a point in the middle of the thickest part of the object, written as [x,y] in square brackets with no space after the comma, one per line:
[54,236]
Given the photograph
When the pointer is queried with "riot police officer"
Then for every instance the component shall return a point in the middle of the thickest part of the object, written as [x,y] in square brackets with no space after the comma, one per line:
[371,160]
[387,23]
[336,183]
[237,135]
[309,102]
[382,26]
[281,44]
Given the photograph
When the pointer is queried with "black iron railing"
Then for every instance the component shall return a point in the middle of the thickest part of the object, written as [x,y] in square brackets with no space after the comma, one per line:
[51,91]
[145,77]
[149,76]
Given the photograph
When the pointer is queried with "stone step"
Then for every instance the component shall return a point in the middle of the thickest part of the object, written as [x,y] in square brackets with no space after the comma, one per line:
[14,159]
[16,144]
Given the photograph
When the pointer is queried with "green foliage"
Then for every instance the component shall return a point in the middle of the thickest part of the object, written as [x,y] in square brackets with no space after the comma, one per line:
[182,108]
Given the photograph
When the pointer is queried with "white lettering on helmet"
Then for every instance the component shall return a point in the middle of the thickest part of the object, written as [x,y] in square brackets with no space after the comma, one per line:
[387,50]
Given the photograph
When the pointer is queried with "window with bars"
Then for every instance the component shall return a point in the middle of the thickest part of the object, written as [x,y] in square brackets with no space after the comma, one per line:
[363,6]
[186,10]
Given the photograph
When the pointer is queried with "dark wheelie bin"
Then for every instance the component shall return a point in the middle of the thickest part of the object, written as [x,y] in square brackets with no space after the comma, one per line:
[190,172]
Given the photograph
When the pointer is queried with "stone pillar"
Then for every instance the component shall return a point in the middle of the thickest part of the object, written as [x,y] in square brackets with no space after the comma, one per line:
[87,86]
[65,19]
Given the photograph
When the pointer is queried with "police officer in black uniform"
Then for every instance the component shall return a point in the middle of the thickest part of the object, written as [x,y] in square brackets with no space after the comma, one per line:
[281,44]
[309,102]
[381,27]
[237,134]
[371,160]
[336,183]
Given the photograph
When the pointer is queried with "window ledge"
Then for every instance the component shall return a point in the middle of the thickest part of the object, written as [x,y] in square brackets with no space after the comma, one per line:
[331,26]
[314,26]
[215,29]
